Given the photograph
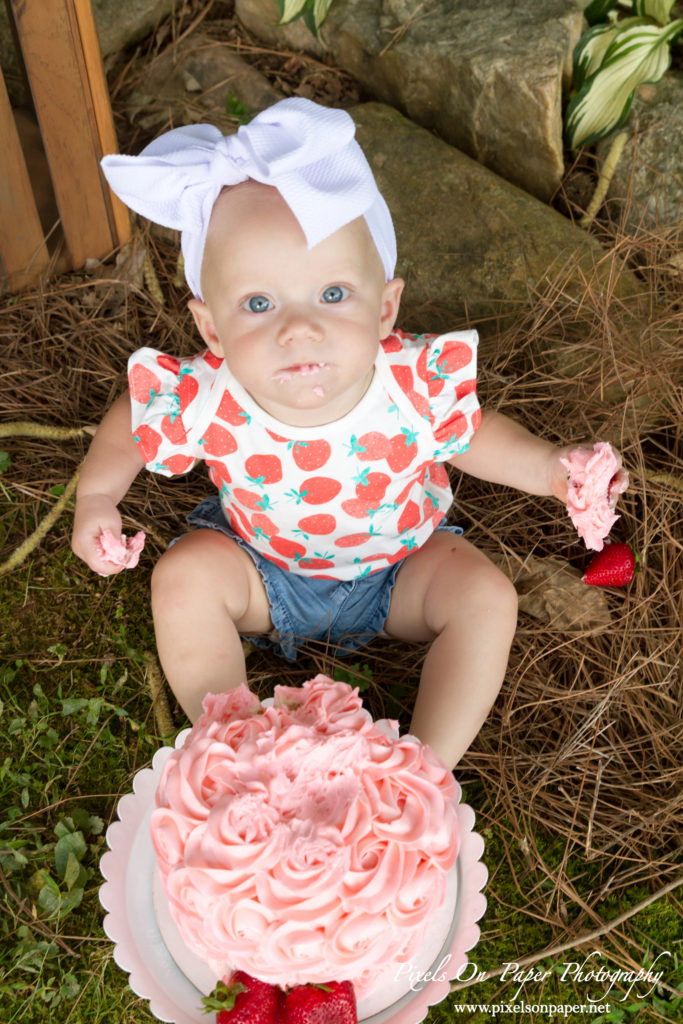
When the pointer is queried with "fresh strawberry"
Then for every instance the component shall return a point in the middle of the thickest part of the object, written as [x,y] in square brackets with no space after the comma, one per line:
[245,1000]
[332,1003]
[614,566]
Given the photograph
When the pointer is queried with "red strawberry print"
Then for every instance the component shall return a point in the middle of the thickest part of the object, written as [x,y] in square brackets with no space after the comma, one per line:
[252,499]
[319,524]
[317,490]
[218,474]
[451,428]
[288,548]
[466,387]
[148,441]
[263,524]
[409,518]
[169,363]
[264,469]
[245,1000]
[352,540]
[276,437]
[392,344]
[173,428]
[404,378]
[178,463]
[372,446]
[402,451]
[614,566]
[211,360]
[143,384]
[316,563]
[218,441]
[332,1003]
[454,356]
[231,411]
[358,508]
[310,455]
[187,389]
[438,475]
[240,523]
[372,486]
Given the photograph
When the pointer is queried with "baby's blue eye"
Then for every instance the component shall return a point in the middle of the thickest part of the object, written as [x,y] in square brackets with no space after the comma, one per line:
[258,304]
[335,293]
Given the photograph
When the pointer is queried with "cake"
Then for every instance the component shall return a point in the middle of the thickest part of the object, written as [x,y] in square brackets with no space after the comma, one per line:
[304,842]
[595,481]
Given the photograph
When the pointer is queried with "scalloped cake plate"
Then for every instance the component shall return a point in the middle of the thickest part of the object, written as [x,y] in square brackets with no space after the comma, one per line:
[139,949]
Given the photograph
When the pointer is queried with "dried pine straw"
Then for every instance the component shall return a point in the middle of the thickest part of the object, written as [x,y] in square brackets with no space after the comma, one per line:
[584,743]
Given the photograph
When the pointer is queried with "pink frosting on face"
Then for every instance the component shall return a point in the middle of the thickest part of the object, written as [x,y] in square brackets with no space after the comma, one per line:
[596,479]
[303,842]
[121,550]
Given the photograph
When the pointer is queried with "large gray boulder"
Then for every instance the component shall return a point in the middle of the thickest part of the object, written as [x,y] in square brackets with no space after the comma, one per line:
[647,186]
[198,80]
[471,245]
[488,77]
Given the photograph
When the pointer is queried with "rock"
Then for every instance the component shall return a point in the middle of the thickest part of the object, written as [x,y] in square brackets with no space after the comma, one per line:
[261,18]
[199,80]
[487,77]
[649,169]
[550,589]
[470,244]
[118,25]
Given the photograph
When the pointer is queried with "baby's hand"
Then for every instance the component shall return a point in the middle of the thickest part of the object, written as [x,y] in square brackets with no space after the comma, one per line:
[594,480]
[95,513]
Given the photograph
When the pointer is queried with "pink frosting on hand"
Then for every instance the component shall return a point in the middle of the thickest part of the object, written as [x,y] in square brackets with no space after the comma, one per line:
[121,550]
[303,841]
[596,479]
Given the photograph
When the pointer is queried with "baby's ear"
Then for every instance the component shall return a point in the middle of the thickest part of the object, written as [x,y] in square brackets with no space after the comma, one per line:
[205,325]
[391,300]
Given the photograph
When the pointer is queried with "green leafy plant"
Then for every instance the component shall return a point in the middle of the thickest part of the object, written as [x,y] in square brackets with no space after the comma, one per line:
[612,59]
[313,12]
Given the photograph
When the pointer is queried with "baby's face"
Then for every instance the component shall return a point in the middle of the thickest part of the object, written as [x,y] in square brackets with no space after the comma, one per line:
[299,328]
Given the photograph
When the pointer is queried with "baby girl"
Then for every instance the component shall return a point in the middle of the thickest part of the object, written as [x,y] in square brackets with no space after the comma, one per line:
[325,430]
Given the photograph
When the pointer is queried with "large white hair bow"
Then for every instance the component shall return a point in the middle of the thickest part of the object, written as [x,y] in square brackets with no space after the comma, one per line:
[307,152]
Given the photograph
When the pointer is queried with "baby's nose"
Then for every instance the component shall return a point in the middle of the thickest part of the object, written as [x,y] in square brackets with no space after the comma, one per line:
[299,326]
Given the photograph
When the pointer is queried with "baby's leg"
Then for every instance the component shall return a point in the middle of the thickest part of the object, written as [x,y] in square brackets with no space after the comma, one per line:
[206,591]
[450,593]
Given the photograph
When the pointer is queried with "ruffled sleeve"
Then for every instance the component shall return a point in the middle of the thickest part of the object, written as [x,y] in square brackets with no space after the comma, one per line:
[450,370]
[167,397]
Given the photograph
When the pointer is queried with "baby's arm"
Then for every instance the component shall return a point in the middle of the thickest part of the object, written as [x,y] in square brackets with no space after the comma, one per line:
[112,463]
[504,452]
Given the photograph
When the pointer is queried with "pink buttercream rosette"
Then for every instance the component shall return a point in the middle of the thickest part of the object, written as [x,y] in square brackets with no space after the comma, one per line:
[303,842]
[120,550]
[595,481]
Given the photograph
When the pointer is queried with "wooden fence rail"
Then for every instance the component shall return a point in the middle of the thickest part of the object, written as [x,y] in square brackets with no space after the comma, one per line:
[60,50]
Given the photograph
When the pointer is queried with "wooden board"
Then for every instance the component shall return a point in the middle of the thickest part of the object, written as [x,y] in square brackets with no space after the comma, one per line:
[61,53]
[22,247]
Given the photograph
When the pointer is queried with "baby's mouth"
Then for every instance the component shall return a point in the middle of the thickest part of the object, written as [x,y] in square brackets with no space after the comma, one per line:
[298,370]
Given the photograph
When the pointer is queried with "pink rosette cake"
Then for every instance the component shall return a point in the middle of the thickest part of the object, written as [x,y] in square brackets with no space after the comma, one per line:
[303,842]
[595,481]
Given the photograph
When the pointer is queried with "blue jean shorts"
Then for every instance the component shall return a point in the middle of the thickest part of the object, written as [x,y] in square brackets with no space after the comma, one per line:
[344,613]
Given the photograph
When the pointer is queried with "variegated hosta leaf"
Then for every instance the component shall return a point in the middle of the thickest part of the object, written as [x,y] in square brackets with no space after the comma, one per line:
[320,9]
[660,10]
[593,46]
[639,54]
[290,9]
[598,10]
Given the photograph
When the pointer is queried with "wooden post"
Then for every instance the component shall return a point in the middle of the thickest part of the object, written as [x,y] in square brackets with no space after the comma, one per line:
[22,246]
[61,53]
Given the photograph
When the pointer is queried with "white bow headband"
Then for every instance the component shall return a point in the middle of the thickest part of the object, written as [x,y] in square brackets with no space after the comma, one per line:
[307,152]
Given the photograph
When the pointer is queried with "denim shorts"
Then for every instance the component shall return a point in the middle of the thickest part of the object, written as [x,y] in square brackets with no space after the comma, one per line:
[344,613]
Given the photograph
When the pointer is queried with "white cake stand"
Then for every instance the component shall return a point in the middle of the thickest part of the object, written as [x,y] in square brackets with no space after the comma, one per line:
[139,948]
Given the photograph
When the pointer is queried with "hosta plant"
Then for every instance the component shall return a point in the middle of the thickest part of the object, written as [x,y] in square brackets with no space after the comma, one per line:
[612,59]
[313,12]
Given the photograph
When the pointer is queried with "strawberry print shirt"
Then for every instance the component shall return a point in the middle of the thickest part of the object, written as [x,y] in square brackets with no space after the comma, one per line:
[338,501]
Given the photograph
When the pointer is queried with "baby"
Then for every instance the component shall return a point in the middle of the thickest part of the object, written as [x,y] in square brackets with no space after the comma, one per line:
[324,429]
